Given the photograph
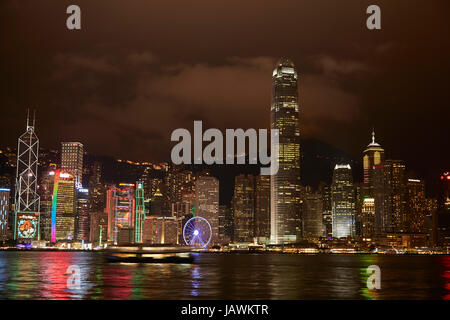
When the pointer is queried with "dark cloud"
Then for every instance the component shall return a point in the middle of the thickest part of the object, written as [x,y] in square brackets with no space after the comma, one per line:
[139,70]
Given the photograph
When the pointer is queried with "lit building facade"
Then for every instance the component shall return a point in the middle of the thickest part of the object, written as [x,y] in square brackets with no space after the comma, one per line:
[224,215]
[63,207]
[72,160]
[416,206]
[120,206]
[96,189]
[244,208]
[207,203]
[140,212]
[312,216]
[390,197]
[82,220]
[442,216]
[4,212]
[46,203]
[373,155]
[178,181]
[327,220]
[343,202]
[368,218]
[161,230]
[98,232]
[157,205]
[27,200]
[184,207]
[262,208]
[285,185]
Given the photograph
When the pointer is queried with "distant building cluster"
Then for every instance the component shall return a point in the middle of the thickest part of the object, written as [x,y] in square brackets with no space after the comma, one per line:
[58,206]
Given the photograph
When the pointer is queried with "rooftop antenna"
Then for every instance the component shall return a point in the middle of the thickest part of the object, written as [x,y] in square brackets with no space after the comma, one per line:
[373,134]
[28,117]
[34,117]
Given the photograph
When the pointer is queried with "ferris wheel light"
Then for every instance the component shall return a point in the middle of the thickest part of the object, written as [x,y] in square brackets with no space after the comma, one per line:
[197,232]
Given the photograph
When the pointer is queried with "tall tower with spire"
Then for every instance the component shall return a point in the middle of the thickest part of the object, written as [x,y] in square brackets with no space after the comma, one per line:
[373,156]
[26,210]
[285,215]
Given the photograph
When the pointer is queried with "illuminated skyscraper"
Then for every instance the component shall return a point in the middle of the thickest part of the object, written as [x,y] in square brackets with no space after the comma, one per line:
[46,194]
[262,208]
[207,203]
[72,160]
[343,202]
[82,221]
[359,200]
[312,216]
[156,205]
[140,212]
[416,206]
[120,206]
[244,208]
[368,218]
[325,190]
[26,210]
[442,215]
[98,232]
[390,197]
[63,207]
[373,155]
[96,189]
[285,185]
[225,234]
[4,212]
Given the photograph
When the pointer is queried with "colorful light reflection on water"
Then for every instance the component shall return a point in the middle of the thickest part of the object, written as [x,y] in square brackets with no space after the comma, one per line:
[43,275]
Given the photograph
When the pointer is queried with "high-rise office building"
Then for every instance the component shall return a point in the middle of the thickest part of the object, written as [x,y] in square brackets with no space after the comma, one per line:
[96,189]
[343,202]
[373,155]
[416,206]
[98,233]
[262,208]
[177,182]
[442,216]
[72,160]
[285,185]
[4,212]
[46,194]
[184,207]
[161,230]
[312,216]
[120,206]
[82,219]
[359,200]
[368,218]
[26,208]
[140,212]
[7,182]
[207,203]
[224,216]
[63,207]
[244,208]
[151,183]
[327,219]
[390,197]
[156,205]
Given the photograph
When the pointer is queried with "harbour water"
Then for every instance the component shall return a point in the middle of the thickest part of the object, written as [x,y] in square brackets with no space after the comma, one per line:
[43,275]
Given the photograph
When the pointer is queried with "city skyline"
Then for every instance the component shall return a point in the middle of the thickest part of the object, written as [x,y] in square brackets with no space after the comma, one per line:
[214,153]
[399,206]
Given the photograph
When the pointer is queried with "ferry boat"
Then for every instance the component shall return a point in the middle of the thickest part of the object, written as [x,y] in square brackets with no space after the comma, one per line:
[149,254]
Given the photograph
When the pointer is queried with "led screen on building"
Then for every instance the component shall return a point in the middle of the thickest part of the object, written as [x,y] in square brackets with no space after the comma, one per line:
[27,225]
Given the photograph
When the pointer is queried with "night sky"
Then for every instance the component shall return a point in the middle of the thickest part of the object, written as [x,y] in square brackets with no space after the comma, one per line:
[137,70]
